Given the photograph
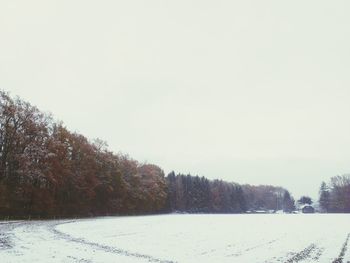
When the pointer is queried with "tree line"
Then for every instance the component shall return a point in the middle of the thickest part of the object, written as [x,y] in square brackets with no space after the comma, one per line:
[335,196]
[48,171]
[196,194]
[267,197]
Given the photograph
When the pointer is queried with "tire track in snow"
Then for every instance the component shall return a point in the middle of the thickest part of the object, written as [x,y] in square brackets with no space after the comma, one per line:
[104,247]
[304,254]
[241,252]
[310,252]
[6,235]
[340,258]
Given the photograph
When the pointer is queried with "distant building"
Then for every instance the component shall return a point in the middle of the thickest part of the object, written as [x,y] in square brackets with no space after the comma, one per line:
[307,209]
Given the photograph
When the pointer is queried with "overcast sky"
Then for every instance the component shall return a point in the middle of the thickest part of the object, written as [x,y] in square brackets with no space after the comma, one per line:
[248,91]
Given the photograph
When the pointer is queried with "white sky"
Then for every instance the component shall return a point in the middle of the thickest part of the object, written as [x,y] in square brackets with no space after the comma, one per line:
[247,91]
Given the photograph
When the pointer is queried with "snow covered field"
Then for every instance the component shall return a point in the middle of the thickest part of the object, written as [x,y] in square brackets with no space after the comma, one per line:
[180,238]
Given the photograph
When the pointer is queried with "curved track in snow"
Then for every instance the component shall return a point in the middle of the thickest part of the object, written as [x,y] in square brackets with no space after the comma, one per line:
[40,241]
[179,238]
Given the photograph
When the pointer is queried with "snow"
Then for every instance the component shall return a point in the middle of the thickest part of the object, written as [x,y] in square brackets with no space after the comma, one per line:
[181,238]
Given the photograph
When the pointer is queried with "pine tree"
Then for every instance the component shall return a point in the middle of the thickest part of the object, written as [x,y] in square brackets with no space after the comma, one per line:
[324,199]
[288,202]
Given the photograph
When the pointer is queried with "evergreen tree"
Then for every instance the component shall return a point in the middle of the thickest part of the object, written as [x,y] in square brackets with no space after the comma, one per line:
[288,202]
[324,198]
